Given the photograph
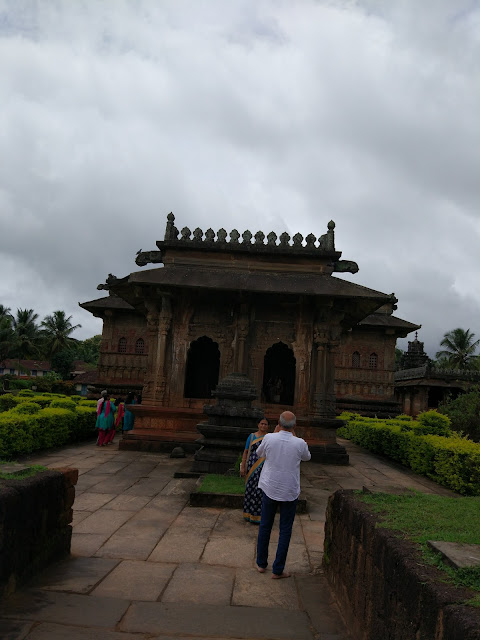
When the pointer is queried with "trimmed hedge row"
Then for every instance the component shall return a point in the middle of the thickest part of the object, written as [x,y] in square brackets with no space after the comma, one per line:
[450,460]
[29,423]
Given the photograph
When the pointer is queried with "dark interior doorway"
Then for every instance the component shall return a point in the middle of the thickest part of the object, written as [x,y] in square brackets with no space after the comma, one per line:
[436,395]
[203,366]
[279,375]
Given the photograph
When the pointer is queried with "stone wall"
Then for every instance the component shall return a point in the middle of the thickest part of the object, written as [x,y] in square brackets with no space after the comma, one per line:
[35,529]
[383,588]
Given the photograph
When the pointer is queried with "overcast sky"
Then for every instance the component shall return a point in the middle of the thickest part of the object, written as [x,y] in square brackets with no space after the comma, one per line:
[258,114]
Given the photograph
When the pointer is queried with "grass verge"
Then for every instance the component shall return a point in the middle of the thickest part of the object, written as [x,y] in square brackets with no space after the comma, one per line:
[26,473]
[213,483]
[420,517]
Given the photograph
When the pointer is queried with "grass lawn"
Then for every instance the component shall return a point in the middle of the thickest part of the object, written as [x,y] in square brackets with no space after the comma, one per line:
[26,473]
[212,483]
[420,517]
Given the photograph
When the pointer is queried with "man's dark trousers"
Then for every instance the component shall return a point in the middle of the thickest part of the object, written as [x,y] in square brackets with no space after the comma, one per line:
[287,516]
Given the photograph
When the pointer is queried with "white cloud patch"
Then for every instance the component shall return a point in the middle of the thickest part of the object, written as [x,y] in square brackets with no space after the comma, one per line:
[267,115]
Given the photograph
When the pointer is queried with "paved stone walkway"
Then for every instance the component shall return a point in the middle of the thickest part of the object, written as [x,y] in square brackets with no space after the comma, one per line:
[146,565]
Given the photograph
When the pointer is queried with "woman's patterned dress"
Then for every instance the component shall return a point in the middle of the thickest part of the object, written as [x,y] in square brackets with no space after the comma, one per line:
[252,504]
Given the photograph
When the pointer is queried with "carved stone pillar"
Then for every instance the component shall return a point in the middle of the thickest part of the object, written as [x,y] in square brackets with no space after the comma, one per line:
[149,388]
[320,434]
[164,324]
[323,403]
[243,326]
[301,385]
[158,326]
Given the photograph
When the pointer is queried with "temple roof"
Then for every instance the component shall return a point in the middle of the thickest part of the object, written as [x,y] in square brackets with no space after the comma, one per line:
[255,264]
[384,320]
[109,302]
[255,281]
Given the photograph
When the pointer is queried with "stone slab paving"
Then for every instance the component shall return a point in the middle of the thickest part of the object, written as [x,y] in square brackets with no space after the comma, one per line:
[145,565]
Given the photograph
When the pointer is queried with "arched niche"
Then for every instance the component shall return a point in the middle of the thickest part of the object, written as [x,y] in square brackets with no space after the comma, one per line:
[202,369]
[279,366]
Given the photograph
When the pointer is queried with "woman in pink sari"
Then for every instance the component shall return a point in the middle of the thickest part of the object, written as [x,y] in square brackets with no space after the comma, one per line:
[105,420]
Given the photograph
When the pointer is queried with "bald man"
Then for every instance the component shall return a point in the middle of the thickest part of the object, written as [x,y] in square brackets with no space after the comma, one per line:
[280,483]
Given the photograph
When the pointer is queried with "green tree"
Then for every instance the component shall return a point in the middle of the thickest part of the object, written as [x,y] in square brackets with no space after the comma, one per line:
[398,357]
[62,363]
[464,412]
[5,312]
[460,347]
[6,337]
[26,334]
[56,332]
[89,350]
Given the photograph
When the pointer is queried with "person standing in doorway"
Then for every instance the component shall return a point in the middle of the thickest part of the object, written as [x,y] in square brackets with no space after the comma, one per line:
[280,483]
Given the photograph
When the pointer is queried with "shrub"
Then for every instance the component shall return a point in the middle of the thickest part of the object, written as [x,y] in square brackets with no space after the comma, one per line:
[76,398]
[43,400]
[453,461]
[87,403]
[8,401]
[22,433]
[43,383]
[15,436]
[464,412]
[433,423]
[27,407]
[84,425]
[63,387]
[52,427]
[63,403]
[17,383]
[26,392]
[47,420]
[403,417]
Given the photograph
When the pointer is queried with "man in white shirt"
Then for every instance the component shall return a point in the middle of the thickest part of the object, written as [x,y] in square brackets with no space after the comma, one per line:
[280,483]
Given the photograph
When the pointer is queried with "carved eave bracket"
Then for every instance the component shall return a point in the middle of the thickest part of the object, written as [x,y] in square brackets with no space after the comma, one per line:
[345,266]
[111,279]
[148,257]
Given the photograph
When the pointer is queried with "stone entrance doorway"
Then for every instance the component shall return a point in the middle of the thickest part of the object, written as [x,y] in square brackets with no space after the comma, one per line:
[279,375]
[203,366]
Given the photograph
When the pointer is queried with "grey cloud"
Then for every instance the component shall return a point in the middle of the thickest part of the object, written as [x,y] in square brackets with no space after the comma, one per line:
[272,116]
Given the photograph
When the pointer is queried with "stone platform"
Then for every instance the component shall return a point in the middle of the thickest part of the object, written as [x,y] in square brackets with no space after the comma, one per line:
[146,565]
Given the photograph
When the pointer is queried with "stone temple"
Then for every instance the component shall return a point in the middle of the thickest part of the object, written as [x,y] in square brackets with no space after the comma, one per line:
[269,307]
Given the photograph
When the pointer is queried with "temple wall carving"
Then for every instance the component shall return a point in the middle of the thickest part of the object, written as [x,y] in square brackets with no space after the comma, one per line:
[243,334]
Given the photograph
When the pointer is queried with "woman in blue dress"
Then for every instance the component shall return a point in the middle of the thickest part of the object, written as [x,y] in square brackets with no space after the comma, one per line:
[250,469]
[128,418]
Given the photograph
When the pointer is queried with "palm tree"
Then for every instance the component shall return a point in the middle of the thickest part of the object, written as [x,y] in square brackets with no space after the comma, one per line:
[56,330]
[26,336]
[6,337]
[5,312]
[459,352]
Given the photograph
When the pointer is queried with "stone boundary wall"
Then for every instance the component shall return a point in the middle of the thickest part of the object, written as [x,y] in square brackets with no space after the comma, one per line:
[384,590]
[35,529]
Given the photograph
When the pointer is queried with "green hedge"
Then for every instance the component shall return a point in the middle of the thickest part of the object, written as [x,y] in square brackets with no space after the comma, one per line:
[87,403]
[27,407]
[450,459]
[22,432]
[8,401]
[63,403]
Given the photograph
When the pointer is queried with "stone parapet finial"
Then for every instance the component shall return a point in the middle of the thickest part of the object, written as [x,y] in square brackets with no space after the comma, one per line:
[250,241]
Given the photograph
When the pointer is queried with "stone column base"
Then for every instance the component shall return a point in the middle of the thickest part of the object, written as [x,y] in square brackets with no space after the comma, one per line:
[332,453]
[320,435]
